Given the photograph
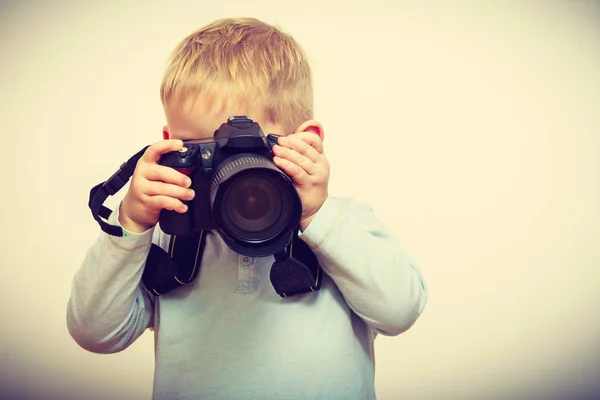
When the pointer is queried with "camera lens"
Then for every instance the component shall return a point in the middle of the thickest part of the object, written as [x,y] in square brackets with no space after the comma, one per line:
[253,206]
[253,202]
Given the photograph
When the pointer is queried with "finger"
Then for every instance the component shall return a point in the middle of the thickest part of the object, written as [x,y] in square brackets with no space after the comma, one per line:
[298,174]
[161,173]
[300,144]
[154,152]
[165,189]
[293,156]
[312,139]
[165,202]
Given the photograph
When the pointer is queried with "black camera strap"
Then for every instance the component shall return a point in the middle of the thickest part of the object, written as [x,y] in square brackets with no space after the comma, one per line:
[296,269]
[165,271]
[112,185]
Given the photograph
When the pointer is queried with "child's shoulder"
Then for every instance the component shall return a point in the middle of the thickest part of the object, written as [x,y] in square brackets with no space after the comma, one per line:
[347,204]
[340,209]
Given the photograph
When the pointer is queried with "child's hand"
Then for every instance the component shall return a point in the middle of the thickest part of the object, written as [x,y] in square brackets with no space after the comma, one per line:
[301,156]
[154,187]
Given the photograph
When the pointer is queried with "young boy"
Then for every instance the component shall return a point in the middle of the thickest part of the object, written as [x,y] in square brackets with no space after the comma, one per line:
[228,334]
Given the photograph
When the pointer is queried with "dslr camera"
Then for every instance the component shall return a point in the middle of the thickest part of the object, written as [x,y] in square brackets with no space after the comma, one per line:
[240,192]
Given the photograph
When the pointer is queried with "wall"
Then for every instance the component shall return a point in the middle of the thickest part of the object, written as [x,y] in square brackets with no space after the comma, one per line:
[471,129]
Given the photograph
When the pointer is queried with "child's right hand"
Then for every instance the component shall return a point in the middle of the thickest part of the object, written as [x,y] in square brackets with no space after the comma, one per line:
[154,187]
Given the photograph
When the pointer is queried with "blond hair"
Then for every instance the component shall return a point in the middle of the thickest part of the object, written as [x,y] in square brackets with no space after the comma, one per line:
[247,60]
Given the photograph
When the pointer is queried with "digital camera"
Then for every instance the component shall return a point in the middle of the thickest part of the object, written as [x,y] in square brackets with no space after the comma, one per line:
[240,192]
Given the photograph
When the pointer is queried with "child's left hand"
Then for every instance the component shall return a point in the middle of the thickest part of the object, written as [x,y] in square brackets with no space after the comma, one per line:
[301,156]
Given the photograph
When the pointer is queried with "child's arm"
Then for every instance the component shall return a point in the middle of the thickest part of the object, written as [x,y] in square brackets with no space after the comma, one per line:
[108,308]
[378,279]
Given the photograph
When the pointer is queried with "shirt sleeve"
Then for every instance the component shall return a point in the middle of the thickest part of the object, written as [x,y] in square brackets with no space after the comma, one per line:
[377,278]
[109,308]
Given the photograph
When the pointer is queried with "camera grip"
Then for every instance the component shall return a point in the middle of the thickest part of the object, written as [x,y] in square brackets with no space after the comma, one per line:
[184,161]
[174,223]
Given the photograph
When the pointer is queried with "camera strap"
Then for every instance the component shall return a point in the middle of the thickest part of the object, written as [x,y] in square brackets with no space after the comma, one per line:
[165,271]
[296,269]
[112,185]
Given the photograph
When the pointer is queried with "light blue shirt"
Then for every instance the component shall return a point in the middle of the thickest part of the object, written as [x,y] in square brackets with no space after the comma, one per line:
[229,335]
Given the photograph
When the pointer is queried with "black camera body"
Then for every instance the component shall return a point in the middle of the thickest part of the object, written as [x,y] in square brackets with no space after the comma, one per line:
[240,192]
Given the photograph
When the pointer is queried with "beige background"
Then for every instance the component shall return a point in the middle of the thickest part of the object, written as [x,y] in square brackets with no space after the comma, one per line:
[472,130]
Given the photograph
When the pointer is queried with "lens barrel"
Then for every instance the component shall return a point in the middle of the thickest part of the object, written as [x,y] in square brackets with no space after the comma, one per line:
[255,205]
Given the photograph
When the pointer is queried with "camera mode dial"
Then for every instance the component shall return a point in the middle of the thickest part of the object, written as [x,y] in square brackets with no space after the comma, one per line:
[188,157]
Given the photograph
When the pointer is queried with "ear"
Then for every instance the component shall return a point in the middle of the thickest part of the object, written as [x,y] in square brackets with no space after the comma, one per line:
[166,134]
[312,126]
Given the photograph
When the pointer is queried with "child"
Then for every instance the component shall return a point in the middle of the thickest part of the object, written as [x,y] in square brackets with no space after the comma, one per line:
[228,334]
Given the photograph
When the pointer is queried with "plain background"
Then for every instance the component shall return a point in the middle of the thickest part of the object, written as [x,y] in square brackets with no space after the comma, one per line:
[472,129]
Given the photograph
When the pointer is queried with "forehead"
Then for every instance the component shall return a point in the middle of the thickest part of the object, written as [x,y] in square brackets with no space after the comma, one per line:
[199,116]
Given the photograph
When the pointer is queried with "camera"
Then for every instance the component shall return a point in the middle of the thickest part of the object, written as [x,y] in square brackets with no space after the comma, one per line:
[240,192]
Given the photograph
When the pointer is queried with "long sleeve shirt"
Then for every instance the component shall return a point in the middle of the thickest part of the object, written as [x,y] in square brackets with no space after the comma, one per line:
[229,335]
